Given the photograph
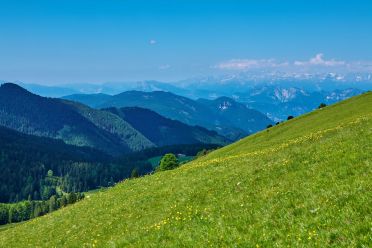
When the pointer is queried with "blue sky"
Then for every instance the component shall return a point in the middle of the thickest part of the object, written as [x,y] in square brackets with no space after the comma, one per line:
[66,41]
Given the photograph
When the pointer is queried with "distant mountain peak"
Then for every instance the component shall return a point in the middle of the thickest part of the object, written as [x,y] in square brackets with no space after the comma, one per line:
[225,105]
[224,99]
[11,87]
[146,93]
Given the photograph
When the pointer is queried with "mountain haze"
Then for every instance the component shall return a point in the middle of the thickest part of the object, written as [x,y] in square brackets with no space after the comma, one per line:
[236,114]
[186,110]
[278,102]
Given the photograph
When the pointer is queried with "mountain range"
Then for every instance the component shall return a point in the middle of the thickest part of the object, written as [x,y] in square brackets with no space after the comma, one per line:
[226,116]
[282,94]
[211,87]
[80,125]
[71,122]
[279,102]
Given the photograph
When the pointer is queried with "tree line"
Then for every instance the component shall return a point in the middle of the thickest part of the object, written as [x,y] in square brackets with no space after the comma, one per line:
[26,210]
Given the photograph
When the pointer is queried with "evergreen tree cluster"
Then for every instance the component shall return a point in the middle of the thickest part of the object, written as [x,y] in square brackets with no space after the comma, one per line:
[25,210]
[37,168]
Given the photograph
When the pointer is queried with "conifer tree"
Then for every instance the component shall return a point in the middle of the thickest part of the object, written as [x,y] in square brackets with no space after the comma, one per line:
[52,203]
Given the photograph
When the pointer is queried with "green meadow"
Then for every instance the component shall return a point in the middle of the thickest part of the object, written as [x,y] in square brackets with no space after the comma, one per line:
[306,182]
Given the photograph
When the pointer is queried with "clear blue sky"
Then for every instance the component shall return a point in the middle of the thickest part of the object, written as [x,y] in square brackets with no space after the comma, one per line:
[59,41]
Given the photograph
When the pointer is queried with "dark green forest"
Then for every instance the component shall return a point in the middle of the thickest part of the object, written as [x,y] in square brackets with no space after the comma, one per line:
[36,168]
[163,131]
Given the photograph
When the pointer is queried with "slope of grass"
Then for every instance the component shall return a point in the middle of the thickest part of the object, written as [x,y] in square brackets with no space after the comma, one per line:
[7,226]
[303,183]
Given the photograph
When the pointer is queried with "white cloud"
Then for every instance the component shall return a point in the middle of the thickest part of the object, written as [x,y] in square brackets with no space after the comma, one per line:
[152,42]
[318,63]
[318,60]
[247,64]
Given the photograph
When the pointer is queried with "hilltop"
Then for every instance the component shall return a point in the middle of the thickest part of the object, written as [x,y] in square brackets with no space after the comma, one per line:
[302,183]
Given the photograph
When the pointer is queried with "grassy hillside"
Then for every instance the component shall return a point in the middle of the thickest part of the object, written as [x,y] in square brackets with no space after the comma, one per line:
[303,183]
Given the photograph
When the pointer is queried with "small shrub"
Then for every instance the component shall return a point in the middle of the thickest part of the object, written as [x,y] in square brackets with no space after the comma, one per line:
[322,105]
[168,162]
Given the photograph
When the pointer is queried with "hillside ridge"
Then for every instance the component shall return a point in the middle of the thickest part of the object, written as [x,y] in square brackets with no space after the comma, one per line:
[163,131]
[74,123]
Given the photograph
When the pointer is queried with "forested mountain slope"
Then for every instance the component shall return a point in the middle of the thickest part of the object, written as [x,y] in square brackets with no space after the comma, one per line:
[73,123]
[303,183]
[163,131]
[25,161]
